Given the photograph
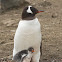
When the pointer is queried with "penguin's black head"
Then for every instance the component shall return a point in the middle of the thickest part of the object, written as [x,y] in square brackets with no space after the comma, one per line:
[31,49]
[29,12]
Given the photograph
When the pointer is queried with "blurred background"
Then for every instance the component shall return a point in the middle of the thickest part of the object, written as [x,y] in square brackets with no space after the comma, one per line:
[51,27]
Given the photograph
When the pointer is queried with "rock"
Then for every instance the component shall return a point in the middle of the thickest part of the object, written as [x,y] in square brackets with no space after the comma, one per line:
[45,3]
[13,31]
[5,4]
[57,49]
[54,60]
[2,42]
[60,19]
[9,23]
[10,57]
[15,24]
[2,31]
[54,15]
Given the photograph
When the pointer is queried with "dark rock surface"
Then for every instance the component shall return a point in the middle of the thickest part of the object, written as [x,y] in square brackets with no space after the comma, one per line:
[5,4]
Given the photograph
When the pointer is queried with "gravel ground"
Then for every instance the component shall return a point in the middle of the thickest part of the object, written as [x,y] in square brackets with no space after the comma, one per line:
[51,25]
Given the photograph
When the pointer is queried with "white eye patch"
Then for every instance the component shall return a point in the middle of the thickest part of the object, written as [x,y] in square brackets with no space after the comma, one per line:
[29,10]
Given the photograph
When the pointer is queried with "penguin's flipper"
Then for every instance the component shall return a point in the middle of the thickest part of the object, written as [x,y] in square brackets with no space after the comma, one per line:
[41,48]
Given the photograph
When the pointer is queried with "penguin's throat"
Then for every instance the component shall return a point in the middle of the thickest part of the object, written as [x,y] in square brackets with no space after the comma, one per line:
[29,18]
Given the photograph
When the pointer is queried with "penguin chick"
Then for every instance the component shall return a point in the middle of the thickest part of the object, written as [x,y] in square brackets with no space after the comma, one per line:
[24,55]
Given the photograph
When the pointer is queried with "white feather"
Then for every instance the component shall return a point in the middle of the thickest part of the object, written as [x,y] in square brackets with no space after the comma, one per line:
[23,55]
[28,34]
[28,57]
[29,10]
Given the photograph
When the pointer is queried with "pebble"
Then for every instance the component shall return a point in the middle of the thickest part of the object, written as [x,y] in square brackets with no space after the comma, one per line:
[60,19]
[2,42]
[10,57]
[9,23]
[13,31]
[54,61]
[57,49]
[2,31]
[54,15]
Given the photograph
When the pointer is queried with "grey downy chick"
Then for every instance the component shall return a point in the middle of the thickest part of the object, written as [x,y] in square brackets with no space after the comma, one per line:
[24,55]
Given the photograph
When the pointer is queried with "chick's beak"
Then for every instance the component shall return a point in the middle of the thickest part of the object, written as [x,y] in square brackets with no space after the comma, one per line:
[32,51]
[40,11]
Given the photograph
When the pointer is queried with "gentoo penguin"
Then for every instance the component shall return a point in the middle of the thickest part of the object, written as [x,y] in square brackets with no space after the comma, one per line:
[24,55]
[28,33]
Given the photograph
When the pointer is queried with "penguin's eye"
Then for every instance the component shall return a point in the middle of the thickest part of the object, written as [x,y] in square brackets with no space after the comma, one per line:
[26,8]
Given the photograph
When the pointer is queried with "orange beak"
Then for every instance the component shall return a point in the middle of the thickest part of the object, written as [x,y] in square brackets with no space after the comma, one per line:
[32,50]
[40,11]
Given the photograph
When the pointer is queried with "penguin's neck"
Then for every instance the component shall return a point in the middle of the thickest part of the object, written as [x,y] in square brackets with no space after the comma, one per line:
[29,18]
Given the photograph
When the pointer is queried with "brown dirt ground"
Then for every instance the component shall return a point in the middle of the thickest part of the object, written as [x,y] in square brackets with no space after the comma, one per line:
[51,25]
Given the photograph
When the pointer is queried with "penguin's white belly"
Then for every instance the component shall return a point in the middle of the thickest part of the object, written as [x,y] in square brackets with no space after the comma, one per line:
[27,36]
